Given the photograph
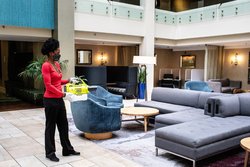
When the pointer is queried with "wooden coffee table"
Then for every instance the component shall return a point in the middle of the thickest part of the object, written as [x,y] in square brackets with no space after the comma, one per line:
[140,111]
[245,144]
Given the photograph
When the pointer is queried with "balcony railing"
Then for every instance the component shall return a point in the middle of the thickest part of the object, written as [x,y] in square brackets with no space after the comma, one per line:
[165,17]
[114,9]
[133,12]
[210,13]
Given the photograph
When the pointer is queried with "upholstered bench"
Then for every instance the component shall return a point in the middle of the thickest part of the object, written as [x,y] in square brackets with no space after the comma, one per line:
[179,117]
[199,139]
[196,139]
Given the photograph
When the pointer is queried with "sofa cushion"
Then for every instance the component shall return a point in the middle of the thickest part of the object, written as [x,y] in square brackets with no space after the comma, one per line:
[198,133]
[227,89]
[226,106]
[244,99]
[162,107]
[176,96]
[180,117]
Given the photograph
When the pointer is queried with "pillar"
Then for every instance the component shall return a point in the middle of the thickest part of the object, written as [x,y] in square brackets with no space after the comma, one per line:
[4,57]
[65,33]
[146,48]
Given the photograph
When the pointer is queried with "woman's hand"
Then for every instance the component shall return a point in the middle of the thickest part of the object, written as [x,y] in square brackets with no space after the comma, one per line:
[73,80]
[68,96]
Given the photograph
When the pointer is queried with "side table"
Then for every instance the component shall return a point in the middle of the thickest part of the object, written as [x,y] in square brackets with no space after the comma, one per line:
[245,144]
[140,111]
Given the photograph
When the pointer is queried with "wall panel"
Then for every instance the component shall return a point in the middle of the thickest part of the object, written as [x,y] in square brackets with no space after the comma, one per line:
[27,13]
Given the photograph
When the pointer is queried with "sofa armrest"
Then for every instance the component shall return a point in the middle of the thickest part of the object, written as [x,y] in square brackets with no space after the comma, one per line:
[226,106]
[236,84]
[97,99]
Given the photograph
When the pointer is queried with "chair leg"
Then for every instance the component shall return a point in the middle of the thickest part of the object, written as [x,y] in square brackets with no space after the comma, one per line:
[194,163]
[246,159]
[156,151]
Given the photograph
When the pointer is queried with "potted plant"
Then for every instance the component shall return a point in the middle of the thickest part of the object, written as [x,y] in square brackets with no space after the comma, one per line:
[33,70]
[141,81]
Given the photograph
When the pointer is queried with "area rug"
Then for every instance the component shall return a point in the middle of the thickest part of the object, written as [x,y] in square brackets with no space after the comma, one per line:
[133,143]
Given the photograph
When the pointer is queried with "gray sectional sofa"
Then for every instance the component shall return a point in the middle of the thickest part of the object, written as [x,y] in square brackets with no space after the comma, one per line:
[195,125]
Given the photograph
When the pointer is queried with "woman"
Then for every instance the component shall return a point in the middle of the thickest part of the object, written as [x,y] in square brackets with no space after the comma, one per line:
[55,111]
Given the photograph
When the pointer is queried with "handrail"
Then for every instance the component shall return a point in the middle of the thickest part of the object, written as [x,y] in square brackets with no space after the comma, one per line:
[134,12]
[114,9]
[209,13]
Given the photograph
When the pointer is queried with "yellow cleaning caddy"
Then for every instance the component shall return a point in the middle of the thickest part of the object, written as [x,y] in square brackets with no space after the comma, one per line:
[79,88]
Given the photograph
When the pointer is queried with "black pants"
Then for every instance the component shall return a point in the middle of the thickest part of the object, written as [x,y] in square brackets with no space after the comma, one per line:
[55,113]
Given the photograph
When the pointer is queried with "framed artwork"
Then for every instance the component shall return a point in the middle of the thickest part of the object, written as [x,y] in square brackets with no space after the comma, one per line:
[249,60]
[83,57]
[248,79]
[187,61]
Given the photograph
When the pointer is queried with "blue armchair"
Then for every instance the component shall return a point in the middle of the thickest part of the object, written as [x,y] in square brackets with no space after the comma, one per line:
[197,85]
[106,98]
[96,120]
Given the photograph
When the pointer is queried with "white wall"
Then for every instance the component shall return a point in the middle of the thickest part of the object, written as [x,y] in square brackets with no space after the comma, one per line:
[226,26]
[105,24]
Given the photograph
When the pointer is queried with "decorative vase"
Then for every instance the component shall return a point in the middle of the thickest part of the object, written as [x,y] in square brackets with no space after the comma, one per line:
[141,88]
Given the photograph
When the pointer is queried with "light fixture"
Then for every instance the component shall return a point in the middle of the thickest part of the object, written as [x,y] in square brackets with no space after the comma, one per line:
[235,59]
[143,61]
[102,58]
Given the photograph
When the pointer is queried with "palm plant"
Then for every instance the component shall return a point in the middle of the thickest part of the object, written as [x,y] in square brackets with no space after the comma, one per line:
[33,70]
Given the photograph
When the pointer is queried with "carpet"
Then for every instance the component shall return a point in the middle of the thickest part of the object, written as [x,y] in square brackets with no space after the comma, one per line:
[133,143]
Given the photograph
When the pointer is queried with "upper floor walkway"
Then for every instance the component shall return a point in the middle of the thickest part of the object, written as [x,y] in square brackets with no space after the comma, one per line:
[119,22]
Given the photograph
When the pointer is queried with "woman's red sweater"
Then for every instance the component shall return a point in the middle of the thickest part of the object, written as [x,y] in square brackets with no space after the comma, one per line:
[52,80]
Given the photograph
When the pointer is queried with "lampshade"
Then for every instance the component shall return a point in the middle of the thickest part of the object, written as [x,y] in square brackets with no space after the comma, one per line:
[144,60]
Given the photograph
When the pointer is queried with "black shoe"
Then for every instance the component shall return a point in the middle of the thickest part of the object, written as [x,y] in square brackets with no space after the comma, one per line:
[52,157]
[70,152]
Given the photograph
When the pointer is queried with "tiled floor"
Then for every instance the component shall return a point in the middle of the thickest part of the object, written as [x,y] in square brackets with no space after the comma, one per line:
[22,144]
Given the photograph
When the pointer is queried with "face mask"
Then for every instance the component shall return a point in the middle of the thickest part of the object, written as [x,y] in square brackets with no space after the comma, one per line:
[56,57]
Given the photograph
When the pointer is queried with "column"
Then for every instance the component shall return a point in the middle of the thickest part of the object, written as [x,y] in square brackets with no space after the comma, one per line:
[5,54]
[146,48]
[37,54]
[65,33]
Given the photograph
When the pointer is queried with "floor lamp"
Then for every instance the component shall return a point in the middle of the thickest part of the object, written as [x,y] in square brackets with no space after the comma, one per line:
[143,61]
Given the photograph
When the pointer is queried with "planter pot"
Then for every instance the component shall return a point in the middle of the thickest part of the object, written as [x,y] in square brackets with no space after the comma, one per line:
[141,88]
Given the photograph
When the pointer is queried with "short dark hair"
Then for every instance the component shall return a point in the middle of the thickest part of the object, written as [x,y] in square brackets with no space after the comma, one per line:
[50,45]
